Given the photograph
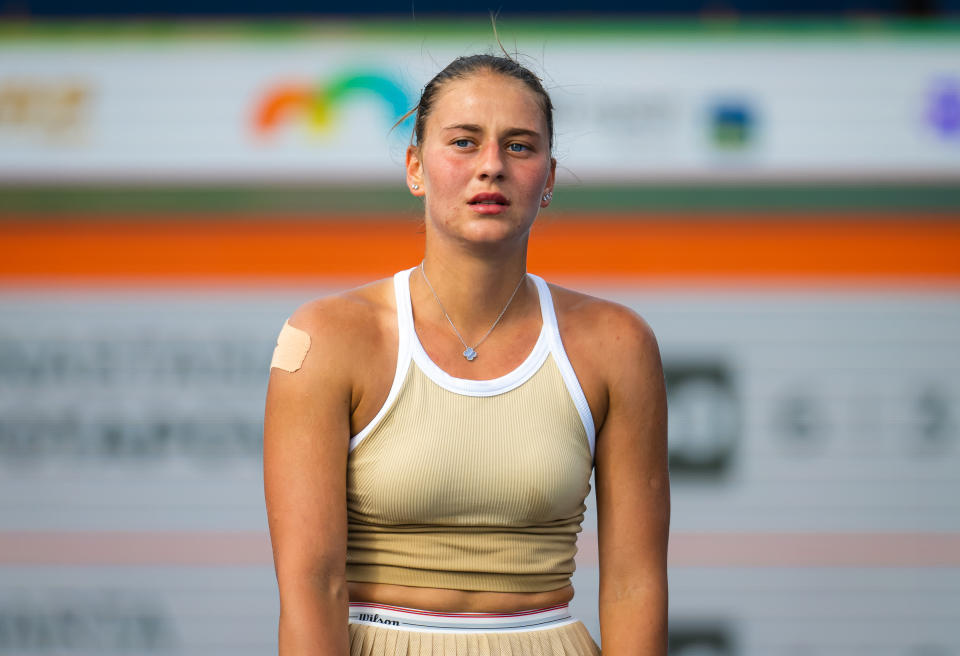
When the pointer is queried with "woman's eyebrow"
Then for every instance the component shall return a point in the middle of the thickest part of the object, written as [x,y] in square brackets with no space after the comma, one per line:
[467,127]
[512,132]
[521,132]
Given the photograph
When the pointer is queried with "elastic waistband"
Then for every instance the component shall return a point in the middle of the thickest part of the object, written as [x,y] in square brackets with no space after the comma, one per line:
[413,619]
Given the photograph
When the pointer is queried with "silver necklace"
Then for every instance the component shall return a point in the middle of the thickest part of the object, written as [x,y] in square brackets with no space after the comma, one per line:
[470,352]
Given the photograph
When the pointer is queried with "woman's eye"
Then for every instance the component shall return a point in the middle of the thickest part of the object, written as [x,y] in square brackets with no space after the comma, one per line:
[517,147]
[462,143]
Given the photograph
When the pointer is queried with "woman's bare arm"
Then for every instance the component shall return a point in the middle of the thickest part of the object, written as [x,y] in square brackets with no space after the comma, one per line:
[306,439]
[633,490]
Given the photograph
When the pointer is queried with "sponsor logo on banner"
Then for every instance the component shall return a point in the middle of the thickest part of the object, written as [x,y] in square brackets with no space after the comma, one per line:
[700,639]
[51,110]
[621,114]
[147,375]
[704,419]
[932,420]
[732,125]
[943,107]
[87,621]
[318,106]
[806,419]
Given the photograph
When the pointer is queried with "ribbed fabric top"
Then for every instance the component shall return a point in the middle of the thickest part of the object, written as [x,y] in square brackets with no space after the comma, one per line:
[467,484]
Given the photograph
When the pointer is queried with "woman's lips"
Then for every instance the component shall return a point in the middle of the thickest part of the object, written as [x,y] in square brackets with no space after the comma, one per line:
[483,208]
[488,203]
[489,198]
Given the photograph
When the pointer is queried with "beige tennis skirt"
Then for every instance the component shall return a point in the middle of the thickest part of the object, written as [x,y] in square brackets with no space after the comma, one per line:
[381,630]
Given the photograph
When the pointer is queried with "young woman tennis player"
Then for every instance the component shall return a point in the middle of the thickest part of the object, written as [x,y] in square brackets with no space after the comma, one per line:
[429,438]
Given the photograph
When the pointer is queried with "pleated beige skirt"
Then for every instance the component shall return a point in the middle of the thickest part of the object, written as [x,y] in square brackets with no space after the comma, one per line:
[571,639]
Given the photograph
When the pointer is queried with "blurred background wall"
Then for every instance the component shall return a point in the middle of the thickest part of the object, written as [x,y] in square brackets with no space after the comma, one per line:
[776,192]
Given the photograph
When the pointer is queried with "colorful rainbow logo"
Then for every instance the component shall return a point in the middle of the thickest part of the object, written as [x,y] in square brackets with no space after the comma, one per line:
[317,105]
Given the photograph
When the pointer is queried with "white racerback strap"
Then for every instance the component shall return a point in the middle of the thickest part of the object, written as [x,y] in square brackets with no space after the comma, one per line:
[405,335]
[552,329]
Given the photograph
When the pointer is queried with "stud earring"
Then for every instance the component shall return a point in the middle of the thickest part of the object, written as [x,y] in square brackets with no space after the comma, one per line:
[547,196]
[415,187]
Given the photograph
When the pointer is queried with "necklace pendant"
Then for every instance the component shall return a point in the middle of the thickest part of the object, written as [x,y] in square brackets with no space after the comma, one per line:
[470,354]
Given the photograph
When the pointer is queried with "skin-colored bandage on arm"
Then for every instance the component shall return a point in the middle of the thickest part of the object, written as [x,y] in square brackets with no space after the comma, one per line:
[292,347]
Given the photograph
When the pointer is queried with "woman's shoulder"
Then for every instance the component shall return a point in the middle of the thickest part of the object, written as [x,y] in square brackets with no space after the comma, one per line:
[343,322]
[612,349]
[605,325]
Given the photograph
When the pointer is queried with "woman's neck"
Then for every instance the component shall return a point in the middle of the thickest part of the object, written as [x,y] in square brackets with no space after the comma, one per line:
[472,289]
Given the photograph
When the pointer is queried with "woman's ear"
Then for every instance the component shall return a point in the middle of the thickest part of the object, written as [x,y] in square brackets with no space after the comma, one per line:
[548,188]
[415,172]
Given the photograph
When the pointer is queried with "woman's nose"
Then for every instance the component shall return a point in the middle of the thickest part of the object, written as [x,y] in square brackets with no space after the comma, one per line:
[491,162]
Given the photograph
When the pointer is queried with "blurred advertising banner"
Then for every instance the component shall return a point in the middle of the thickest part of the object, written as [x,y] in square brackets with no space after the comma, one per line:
[634,102]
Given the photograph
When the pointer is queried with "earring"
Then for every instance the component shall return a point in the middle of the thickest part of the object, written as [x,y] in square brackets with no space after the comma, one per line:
[415,187]
[547,196]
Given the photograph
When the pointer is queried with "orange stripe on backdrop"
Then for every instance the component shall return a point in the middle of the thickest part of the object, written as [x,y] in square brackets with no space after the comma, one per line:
[843,247]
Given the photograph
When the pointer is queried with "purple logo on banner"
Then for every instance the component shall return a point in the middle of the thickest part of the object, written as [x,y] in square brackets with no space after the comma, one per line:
[943,109]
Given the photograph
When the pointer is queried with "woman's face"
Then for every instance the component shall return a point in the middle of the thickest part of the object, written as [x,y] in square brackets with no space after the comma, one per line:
[484,162]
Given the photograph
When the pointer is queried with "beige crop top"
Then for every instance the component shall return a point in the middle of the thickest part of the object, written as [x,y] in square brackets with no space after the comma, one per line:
[471,484]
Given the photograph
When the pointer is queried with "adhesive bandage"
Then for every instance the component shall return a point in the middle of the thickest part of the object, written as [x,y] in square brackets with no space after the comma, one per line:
[292,347]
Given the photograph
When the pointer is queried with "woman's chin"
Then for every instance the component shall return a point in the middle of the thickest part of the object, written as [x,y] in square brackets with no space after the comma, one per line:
[488,231]
[493,233]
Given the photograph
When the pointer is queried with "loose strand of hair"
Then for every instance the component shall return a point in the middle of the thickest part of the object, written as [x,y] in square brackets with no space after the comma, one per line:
[496,35]
[410,112]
